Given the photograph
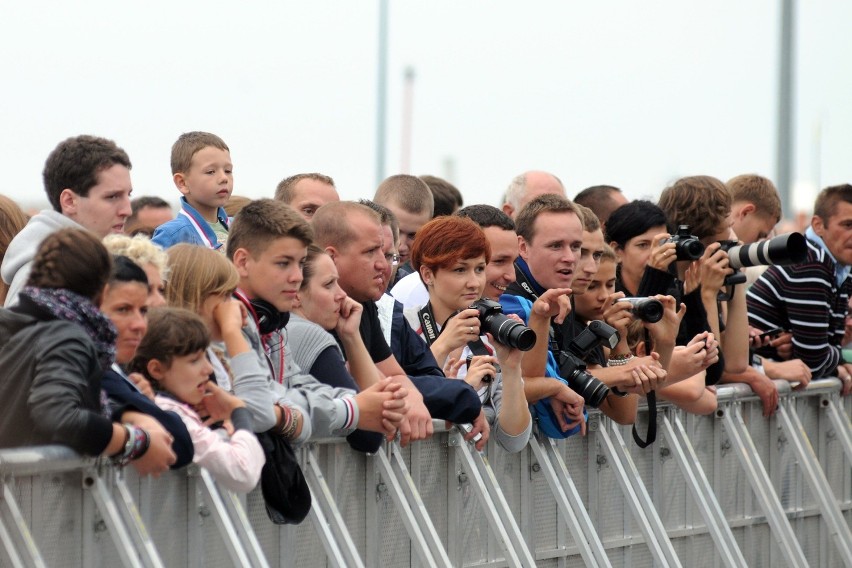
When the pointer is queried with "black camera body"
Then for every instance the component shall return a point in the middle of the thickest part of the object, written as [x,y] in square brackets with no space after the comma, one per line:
[573,369]
[501,327]
[649,310]
[687,246]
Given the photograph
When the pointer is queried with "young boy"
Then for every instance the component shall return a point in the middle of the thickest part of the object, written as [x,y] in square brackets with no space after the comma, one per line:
[203,173]
[755,207]
[268,244]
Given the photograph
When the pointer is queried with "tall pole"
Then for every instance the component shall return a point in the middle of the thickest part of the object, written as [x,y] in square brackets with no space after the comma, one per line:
[381,92]
[786,115]
[407,117]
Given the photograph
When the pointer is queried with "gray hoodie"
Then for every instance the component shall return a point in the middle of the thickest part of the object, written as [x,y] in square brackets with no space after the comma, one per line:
[19,256]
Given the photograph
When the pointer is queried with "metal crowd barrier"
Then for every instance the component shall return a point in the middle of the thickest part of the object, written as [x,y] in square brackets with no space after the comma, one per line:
[731,489]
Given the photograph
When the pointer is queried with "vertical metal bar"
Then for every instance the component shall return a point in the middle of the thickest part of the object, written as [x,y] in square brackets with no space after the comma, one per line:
[339,538]
[493,502]
[833,517]
[786,113]
[220,515]
[106,505]
[418,541]
[381,92]
[637,498]
[568,501]
[703,494]
[762,487]
[10,509]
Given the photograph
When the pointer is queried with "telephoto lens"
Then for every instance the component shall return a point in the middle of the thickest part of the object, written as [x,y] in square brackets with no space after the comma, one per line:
[503,329]
[782,250]
[646,309]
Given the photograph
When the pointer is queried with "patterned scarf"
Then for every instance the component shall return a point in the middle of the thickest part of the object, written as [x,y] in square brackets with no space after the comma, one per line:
[70,306]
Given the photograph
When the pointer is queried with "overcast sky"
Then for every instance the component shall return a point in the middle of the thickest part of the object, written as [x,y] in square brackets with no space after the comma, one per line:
[633,94]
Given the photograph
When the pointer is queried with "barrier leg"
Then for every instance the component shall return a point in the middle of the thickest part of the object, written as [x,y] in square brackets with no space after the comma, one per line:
[637,498]
[761,485]
[326,517]
[419,543]
[841,425]
[29,554]
[494,504]
[702,492]
[106,505]
[230,536]
[833,517]
[568,501]
[133,520]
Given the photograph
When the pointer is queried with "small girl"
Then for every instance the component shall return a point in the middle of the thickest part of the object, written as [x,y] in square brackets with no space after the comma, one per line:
[172,356]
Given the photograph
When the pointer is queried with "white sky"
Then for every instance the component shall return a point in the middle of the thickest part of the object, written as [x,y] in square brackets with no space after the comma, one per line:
[633,94]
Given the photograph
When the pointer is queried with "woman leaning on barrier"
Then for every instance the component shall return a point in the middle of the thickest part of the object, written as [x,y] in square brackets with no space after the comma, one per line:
[54,347]
[450,253]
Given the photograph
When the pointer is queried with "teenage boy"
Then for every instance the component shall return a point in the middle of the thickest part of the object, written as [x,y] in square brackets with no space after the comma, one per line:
[411,202]
[755,207]
[352,234]
[87,181]
[203,173]
[268,243]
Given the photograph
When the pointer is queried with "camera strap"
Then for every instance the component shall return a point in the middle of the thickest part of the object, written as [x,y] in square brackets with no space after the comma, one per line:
[428,324]
[651,397]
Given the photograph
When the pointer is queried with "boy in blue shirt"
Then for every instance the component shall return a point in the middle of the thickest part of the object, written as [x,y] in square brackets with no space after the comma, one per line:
[203,173]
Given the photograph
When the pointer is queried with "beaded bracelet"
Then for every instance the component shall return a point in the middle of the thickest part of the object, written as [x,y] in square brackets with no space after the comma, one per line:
[289,432]
[618,360]
[138,442]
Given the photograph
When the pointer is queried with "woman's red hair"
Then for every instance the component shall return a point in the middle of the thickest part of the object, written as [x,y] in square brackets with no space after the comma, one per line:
[444,241]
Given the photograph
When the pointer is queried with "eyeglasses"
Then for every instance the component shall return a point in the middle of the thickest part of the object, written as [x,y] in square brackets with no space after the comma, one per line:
[392,259]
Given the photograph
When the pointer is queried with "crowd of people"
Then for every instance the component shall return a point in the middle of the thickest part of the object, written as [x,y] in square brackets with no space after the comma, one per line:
[160,340]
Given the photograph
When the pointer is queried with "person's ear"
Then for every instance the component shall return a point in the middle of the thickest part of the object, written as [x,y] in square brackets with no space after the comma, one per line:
[156,369]
[640,349]
[523,247]
[297,302]
[747,209]
[818,225]
[180,182]
[508,209]
[427,275]
[241,259]
[619,251]
[68,202]
[331,251]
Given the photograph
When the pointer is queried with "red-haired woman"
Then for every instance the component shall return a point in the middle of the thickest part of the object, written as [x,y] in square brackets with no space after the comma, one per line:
[450,254]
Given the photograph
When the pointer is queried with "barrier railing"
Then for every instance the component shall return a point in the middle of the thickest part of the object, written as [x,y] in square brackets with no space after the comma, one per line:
[731,489]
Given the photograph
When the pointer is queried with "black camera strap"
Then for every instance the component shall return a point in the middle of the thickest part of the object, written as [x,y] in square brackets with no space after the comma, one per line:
[428,324]
[651,397]
[431,333]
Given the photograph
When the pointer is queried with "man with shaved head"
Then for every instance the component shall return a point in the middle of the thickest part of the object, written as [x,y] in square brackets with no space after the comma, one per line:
[527,186]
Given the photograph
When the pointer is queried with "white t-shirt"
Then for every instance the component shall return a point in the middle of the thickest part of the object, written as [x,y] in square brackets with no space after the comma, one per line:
[410,291]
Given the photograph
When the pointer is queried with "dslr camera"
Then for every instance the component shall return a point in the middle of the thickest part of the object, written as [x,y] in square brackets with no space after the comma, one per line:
[504,330]
[573,369]
[649,310]
[687,247]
